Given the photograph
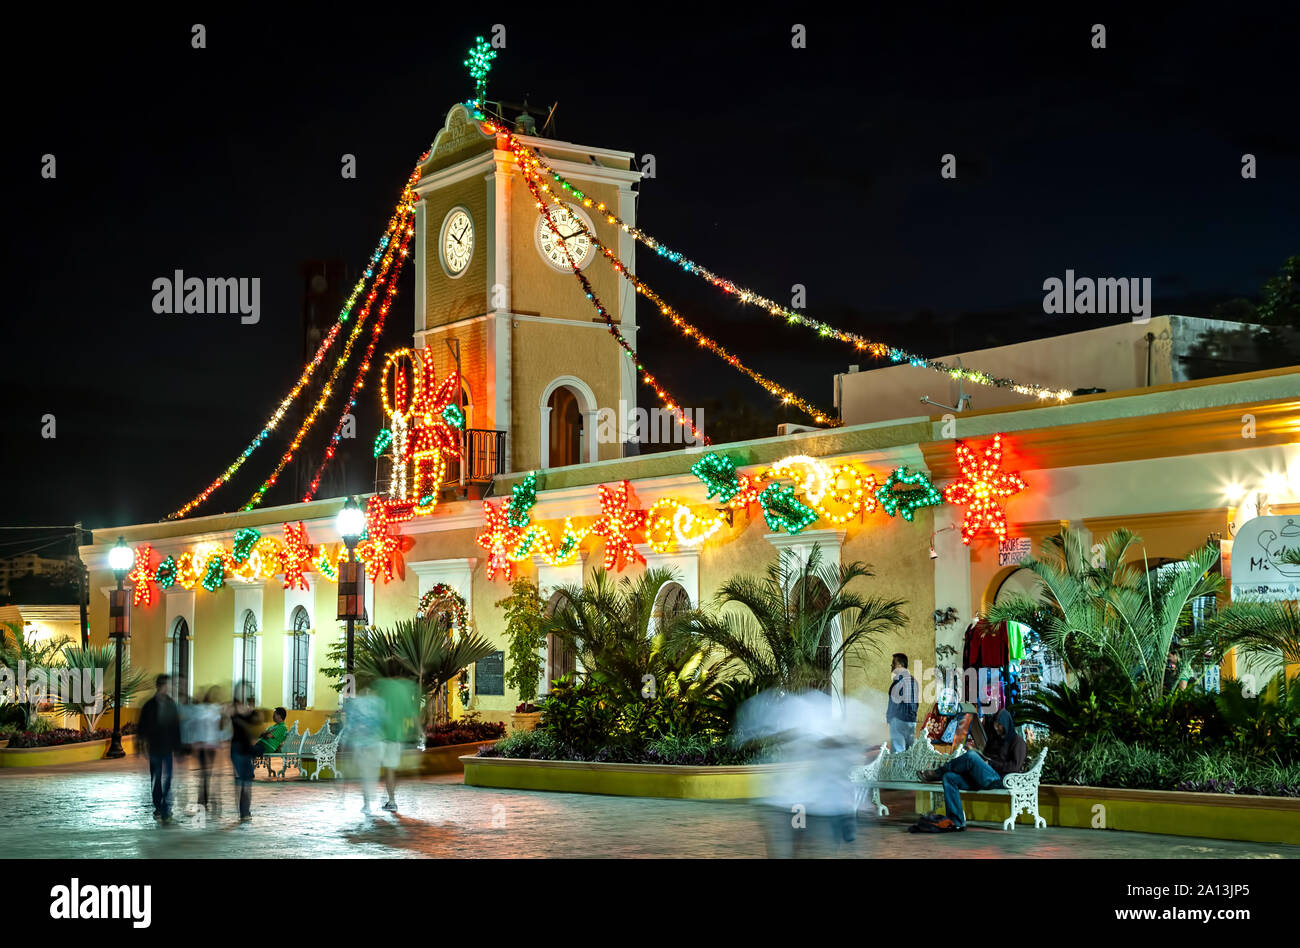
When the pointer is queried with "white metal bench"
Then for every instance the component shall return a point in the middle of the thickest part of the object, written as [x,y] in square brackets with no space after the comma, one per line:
[904,771]
[322,747]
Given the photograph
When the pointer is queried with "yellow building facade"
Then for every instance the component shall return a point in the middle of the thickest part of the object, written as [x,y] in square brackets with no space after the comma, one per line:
[1161,460]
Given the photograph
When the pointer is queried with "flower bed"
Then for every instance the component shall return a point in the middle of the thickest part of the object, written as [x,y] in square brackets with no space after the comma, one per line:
[59,736]
[468,730]
[697,751]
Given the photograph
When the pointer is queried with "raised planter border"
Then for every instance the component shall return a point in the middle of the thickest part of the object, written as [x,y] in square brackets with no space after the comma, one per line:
[674,781]
[77,752]
[1244,817]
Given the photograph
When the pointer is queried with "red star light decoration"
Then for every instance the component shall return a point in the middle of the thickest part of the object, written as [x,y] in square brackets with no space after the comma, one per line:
[297,556]
[981,488]
[617,523]
[498,539]
[382,552]
[142,574]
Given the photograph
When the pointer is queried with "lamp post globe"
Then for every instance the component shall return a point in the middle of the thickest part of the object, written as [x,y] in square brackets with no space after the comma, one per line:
[350,523]
[120,560]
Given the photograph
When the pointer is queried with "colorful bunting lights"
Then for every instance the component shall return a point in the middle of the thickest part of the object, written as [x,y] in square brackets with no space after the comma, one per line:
[396,224]
[877,350]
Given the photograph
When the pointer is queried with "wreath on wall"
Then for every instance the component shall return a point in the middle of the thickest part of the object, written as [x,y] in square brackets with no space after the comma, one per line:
[443,597]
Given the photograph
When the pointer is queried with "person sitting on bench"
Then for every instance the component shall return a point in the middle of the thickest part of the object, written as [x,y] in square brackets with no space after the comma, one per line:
[1004,754]
[273,736]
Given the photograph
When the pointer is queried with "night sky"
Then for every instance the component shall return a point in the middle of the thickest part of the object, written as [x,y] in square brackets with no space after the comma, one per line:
[775,166]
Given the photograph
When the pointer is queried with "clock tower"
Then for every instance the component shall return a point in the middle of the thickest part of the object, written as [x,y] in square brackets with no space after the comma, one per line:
[493,291]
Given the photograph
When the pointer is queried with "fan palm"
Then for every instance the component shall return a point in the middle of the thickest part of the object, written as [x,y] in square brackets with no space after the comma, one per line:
[96,665]
[421,650]
[19,651]
[784,638]
[624,641]
[1113,613]
[1268,633]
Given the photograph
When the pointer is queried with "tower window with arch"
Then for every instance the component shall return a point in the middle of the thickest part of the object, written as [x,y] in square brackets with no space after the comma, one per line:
[180,663]
[247,642]
[300,658]
[565,428]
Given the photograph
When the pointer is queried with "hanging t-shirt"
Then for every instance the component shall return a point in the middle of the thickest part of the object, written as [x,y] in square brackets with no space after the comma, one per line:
[1016,635]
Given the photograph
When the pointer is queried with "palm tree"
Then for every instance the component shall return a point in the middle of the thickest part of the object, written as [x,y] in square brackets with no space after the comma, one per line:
[784,640]
[100,662]
[421,650]
[624,641]
[17,647]
[1267,632]
[1112,615]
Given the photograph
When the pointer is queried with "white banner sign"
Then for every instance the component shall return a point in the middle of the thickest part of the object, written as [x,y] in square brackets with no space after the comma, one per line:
[1258,571]
[1014,549]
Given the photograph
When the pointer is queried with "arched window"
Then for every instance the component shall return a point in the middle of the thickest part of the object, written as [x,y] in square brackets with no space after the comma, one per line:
[180,663]
[246,653]
[566,428]
[299,658]
[671,600]
[810,596]
[561,659]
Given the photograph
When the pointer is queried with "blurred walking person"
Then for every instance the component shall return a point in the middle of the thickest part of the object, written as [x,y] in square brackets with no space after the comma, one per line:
[246,728]
[401,717]
[159,729]
[363,729]
[208,718]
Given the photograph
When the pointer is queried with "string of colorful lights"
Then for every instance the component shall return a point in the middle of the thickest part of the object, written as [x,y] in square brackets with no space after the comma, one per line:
[662,394]
[359,382]
[398,218]
[391,256]
[689,330]
[878,350]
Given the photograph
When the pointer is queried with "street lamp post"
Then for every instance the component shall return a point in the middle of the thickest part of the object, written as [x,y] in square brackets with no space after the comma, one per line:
[120,559]
[350,523]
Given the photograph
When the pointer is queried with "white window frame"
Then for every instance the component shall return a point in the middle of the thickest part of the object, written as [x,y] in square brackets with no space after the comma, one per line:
[549,579]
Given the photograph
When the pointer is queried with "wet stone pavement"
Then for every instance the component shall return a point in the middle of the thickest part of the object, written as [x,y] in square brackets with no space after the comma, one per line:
[102,810]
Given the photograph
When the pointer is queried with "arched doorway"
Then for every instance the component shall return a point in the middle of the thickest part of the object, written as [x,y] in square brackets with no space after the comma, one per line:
[565,428]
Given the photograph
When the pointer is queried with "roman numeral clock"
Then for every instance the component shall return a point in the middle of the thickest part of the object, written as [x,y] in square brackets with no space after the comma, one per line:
[571,235]
[457,241]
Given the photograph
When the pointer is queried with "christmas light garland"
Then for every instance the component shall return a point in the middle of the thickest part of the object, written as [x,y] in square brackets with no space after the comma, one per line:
[874,348]
[687,329]
[395,222]
[391,256]
[662,394]
[446,597]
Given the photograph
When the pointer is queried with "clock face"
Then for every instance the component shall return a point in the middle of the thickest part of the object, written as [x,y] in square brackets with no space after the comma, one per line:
[457,241]
[570,236]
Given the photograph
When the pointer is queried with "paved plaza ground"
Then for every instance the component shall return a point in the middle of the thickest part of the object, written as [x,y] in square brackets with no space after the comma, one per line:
[102,810]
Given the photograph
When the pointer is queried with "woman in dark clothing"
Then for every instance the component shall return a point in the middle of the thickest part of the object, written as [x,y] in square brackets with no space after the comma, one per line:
[245,726]
[1004,754]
